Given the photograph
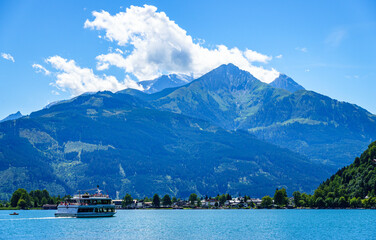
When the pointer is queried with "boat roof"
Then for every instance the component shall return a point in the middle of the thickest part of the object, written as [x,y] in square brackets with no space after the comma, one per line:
[97,195]
[99,198]
[91,196]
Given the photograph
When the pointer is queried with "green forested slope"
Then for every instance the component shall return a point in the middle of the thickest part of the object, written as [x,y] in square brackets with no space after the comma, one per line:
[356,180]
[353,186]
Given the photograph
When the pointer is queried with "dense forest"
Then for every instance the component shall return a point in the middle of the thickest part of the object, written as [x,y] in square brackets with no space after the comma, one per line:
[22,199]
[352,186]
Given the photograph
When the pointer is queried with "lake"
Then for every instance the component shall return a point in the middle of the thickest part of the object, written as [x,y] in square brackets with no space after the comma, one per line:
[194,224]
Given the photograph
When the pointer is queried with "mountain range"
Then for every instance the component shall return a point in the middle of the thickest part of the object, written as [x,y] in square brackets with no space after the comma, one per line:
[324,129]
[123,144]
[223,132]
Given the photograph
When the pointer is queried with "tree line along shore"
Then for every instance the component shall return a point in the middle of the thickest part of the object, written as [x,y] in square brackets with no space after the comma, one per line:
[41,199]
[353,186]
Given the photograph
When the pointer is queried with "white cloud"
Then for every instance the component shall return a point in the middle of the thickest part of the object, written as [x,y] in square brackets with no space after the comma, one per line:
[78,80]
[302,49]
[39,68]
[279,56]
[159,46]
[7,56]
[119,51]
[115,59]
[254,56]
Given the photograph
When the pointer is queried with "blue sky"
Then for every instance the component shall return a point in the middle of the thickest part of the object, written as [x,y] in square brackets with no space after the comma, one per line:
[326,46]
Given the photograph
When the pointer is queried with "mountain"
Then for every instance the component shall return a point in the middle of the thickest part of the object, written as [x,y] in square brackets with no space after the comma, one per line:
[285,82]
[123,144]
[165,81]
[326,130]
[13,116]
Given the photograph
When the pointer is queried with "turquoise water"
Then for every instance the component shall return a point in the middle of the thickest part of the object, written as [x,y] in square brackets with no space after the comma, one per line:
[194,224]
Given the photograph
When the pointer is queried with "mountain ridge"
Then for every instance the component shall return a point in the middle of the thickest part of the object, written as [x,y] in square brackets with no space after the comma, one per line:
[303,121]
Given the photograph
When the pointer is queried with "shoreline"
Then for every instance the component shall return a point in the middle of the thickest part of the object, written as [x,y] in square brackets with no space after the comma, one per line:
[145,209]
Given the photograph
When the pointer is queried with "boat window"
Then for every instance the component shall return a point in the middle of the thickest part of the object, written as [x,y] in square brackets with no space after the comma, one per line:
[85,209]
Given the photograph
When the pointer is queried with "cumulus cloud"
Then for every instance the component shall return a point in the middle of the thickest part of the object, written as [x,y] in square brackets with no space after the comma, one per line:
[115,59]
[40,69]
[7,56]
[77,80]
[159,46]
[254,56]
[279,56]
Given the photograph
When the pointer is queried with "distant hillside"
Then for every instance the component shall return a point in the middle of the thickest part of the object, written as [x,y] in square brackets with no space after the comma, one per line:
[324,129]
[123,144]
[165,81]
[13,116]
[285,82]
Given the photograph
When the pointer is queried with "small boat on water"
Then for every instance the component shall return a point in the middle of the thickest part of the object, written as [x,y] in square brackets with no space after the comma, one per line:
[14,213]
[87,205]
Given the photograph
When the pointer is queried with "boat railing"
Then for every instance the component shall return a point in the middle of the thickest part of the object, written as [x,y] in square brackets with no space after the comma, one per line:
[91,195]
[83,204]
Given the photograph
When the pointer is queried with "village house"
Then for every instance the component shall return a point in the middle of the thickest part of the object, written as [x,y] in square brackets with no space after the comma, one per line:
[208,202]
[256,201]
[118,203]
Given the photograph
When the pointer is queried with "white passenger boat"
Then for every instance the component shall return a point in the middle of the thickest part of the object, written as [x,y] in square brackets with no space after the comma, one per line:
[87,205]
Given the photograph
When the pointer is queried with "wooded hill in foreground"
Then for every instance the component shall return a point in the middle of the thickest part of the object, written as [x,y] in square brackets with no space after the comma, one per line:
[352,186]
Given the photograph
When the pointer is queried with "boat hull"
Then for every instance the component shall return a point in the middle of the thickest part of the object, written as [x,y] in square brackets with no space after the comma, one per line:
[85,215]
[85,211]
